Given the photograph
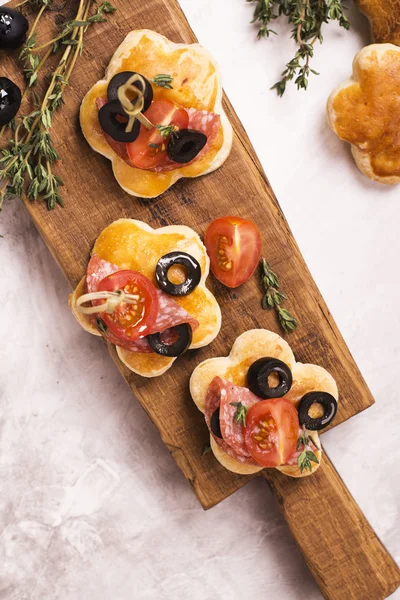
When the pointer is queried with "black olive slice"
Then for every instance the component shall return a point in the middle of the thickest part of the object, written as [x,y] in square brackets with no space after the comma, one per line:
[328,403]
[13,28]
[10,100]
[182,343]
[215,424]
[113,122]
[193,273]
[184,145]
[260,370]
[121,78]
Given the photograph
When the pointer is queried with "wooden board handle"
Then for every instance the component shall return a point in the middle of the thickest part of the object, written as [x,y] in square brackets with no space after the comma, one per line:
[344,554]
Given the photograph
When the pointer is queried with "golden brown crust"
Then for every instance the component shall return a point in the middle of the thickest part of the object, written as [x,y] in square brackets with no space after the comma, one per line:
[197,85]
[384,18]
[230,463]
[248,347]
[365,111]
[132,244]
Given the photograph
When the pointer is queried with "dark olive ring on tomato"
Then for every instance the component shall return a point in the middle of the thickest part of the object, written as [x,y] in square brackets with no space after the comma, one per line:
[184,339]
[121,78]
[116,128]
[259,372]
[13,28]
[184,145]
[329,405]
[215,425]
[10,100]
[193,273]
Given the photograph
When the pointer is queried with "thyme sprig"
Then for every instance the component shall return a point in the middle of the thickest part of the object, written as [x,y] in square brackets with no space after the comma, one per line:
[307,18]
[30,154]
[166,130]
[307,456]
[241,413]
[274,297]
[163,80]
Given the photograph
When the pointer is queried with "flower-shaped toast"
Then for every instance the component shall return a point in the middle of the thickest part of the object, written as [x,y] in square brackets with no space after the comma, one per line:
[130,246]
[196,94]
[248,348]
[365,111]
[384,18]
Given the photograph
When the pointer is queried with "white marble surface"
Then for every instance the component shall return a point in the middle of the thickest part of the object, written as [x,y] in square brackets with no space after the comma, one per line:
[92,506]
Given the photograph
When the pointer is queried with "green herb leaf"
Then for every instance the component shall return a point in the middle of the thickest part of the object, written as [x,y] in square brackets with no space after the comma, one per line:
[101,326]
[307,456]
[241,412]
[273,297]
[166,130]
[163,80]
[311,456]
[307,20]
[30,153]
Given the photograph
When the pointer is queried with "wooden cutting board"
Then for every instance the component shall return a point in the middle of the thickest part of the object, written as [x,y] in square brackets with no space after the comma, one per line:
[341,549]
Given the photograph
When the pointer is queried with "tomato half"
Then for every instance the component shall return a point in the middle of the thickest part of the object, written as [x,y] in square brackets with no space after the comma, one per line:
[234,247]
[271,433]
[129,322]
[150,147]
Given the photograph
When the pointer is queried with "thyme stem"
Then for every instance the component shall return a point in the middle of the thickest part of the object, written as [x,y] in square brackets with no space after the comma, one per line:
[36,22]
[30,156]
[273,297]
[307,18]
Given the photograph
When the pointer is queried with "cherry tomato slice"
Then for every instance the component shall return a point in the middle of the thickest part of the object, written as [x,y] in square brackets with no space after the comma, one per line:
[150,147]
[271,432]
[234,247]
[129,322]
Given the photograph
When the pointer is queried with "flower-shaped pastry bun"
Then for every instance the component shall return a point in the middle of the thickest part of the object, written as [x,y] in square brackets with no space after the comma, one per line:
[249,347]
[132,244]
[365,111]
[196,85]
[384,18]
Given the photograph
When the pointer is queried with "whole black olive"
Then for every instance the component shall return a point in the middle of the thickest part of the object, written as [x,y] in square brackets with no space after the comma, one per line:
[182,343]
[121,78]
[10,100]
[184,145]
[113,121]
[13,28]
[328,403]
[259,372]
[192,278]
[215,424]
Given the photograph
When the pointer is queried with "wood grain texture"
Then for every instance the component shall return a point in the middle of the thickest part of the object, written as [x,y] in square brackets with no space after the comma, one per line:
[343,552]
[93,200]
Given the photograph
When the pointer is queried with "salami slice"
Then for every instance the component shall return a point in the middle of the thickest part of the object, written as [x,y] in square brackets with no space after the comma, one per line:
[216,393]
[170,314]
[97,270]
[199,120]
[231,430]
